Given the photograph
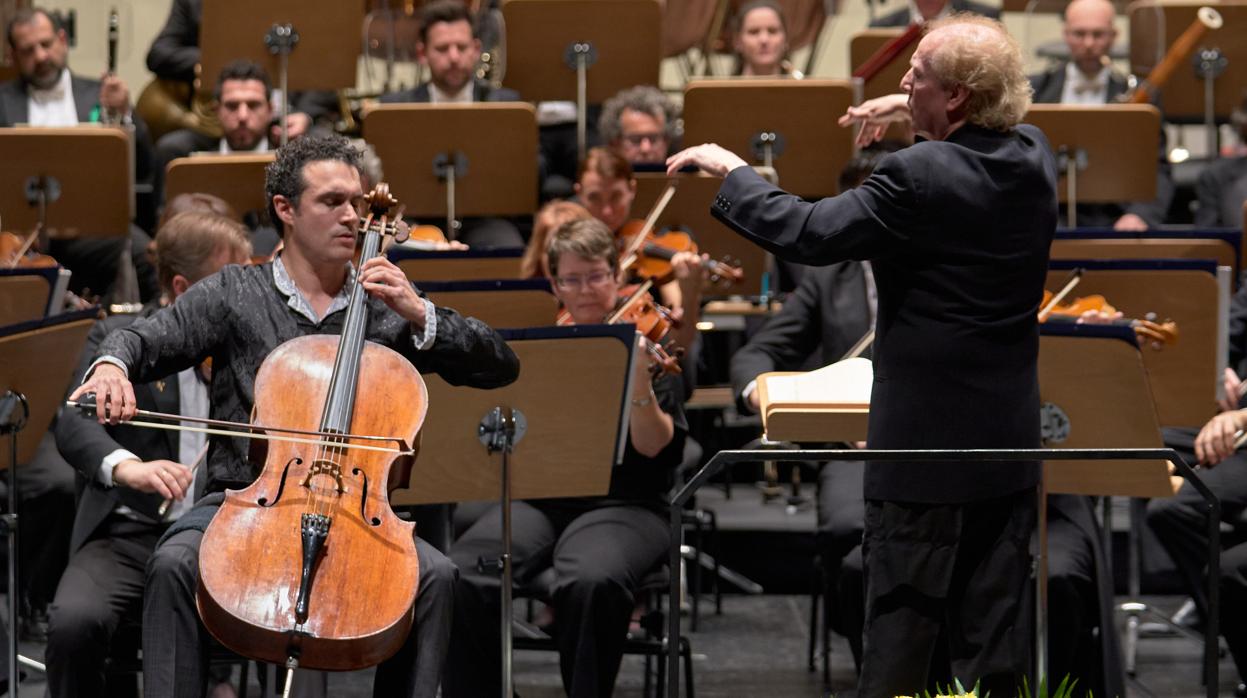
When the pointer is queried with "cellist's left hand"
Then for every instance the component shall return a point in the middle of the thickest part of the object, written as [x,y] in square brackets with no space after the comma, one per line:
[381,279]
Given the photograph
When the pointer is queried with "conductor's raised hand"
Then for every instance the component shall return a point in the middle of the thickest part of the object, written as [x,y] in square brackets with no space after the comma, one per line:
[1215,441]
[710,158]
[381,279]
[114,396]
[875,115]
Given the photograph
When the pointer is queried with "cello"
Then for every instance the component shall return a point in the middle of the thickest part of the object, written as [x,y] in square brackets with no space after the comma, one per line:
[308,566]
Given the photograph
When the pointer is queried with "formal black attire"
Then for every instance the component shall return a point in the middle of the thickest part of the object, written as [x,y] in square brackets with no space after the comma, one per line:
[1049,86]
[957,232]
[902,17]
[237,317]
[103,585]
[477,231]
[600,549]
[1221,190]
[93,262]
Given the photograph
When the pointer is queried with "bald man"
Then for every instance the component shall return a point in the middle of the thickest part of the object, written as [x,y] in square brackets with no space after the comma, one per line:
[1087,78]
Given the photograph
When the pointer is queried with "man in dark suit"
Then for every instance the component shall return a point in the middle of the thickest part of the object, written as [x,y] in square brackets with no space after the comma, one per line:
[448,47]
[1087,78]
[927,10]
[47,94]
[125,473]
[1222,186]
[957,229]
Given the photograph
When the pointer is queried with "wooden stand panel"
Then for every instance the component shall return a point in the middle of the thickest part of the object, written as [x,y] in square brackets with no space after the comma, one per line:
[23,297]
[1183,375]
[39,364]
[458,268]
[802,112]
[501,309]
[1155,248]
[1120,142]
[238,179]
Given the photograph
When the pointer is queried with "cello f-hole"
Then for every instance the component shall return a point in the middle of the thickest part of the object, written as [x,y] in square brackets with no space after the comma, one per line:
[363,499]
[281,487]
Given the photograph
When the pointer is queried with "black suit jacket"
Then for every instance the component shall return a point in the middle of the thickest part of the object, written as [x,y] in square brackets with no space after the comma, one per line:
[175,51]
[1221,191]
[1048,87]
[15,109]
[821,320]
[900,18]
[481,92]
[84,443]
[958,232]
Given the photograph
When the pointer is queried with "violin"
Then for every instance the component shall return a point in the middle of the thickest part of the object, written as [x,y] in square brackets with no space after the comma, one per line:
[308,566]
[652,320]
[1157,334]
[16,252]
[649,255]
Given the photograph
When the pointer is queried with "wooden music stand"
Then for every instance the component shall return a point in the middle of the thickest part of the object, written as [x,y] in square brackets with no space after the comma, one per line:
[788,124]
[1183,375]
[25,294]
[272,33]
[474,167]
[83,175]
[690,209]
[508,303]
[1095,393]
[1105,154]
[1183,96]
[559,450]
[457,265]
[238,179]
[581,51]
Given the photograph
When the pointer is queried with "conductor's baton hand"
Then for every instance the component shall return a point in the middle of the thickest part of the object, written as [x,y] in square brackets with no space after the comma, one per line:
[114,395]
[710,158]
[875,115]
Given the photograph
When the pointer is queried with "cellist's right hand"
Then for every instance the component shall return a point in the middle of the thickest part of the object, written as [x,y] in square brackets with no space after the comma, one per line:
[114,395]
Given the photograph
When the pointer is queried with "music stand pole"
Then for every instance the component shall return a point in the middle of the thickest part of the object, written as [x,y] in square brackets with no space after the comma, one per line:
[281,40]
[499,431]
[448,167]
[579,56]
[1210,63]
[1041,585]
[9,406]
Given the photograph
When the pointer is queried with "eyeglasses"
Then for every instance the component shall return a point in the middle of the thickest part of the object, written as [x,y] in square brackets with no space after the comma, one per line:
[595,280]
[639,139]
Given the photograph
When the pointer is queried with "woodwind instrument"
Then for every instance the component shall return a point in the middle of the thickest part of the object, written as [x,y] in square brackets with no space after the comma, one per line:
[1206,18]
[108,116]
[888,53]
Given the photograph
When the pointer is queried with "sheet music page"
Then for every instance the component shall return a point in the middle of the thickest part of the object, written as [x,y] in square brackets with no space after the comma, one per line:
[844,382]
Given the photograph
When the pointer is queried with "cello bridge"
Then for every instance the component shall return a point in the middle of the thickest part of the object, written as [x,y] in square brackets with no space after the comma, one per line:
[324,466]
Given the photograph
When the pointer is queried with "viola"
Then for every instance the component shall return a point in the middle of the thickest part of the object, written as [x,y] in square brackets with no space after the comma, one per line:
[16,251]
[308,566]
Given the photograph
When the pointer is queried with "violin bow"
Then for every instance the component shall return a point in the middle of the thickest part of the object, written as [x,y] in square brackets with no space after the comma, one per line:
[1074,277]
[634,245]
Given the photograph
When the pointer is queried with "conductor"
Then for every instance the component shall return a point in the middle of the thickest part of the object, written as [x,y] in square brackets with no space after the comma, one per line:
[957,229]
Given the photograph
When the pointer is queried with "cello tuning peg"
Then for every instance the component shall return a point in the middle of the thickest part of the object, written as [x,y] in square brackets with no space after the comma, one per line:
[401,231]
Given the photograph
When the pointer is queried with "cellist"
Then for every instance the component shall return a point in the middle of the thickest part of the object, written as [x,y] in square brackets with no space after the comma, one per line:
[237,317]
[600,547]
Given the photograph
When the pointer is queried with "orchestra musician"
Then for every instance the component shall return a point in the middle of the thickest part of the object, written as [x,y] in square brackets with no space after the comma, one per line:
[448,47]
[606,188]
[640,123]
[1088,78]
[237,317]
[599,547]
[760,41]
[126,473]
[48,94]
[1222,186]
[947,560]
[549,218]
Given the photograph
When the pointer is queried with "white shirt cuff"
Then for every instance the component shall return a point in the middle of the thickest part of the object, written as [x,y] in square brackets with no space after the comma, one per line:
[430,328]
[106,360]
[750,388]
[105,473]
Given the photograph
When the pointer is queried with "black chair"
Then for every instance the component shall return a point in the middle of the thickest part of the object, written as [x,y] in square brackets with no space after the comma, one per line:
[649,640]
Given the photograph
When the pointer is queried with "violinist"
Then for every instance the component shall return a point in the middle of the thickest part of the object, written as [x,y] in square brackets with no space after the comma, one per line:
[606,188]
[237,317]
[127,472]
[599,547]
[46,93]
[551,217]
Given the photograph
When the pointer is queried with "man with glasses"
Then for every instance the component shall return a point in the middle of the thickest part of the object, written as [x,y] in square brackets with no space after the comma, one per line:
[639,123]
